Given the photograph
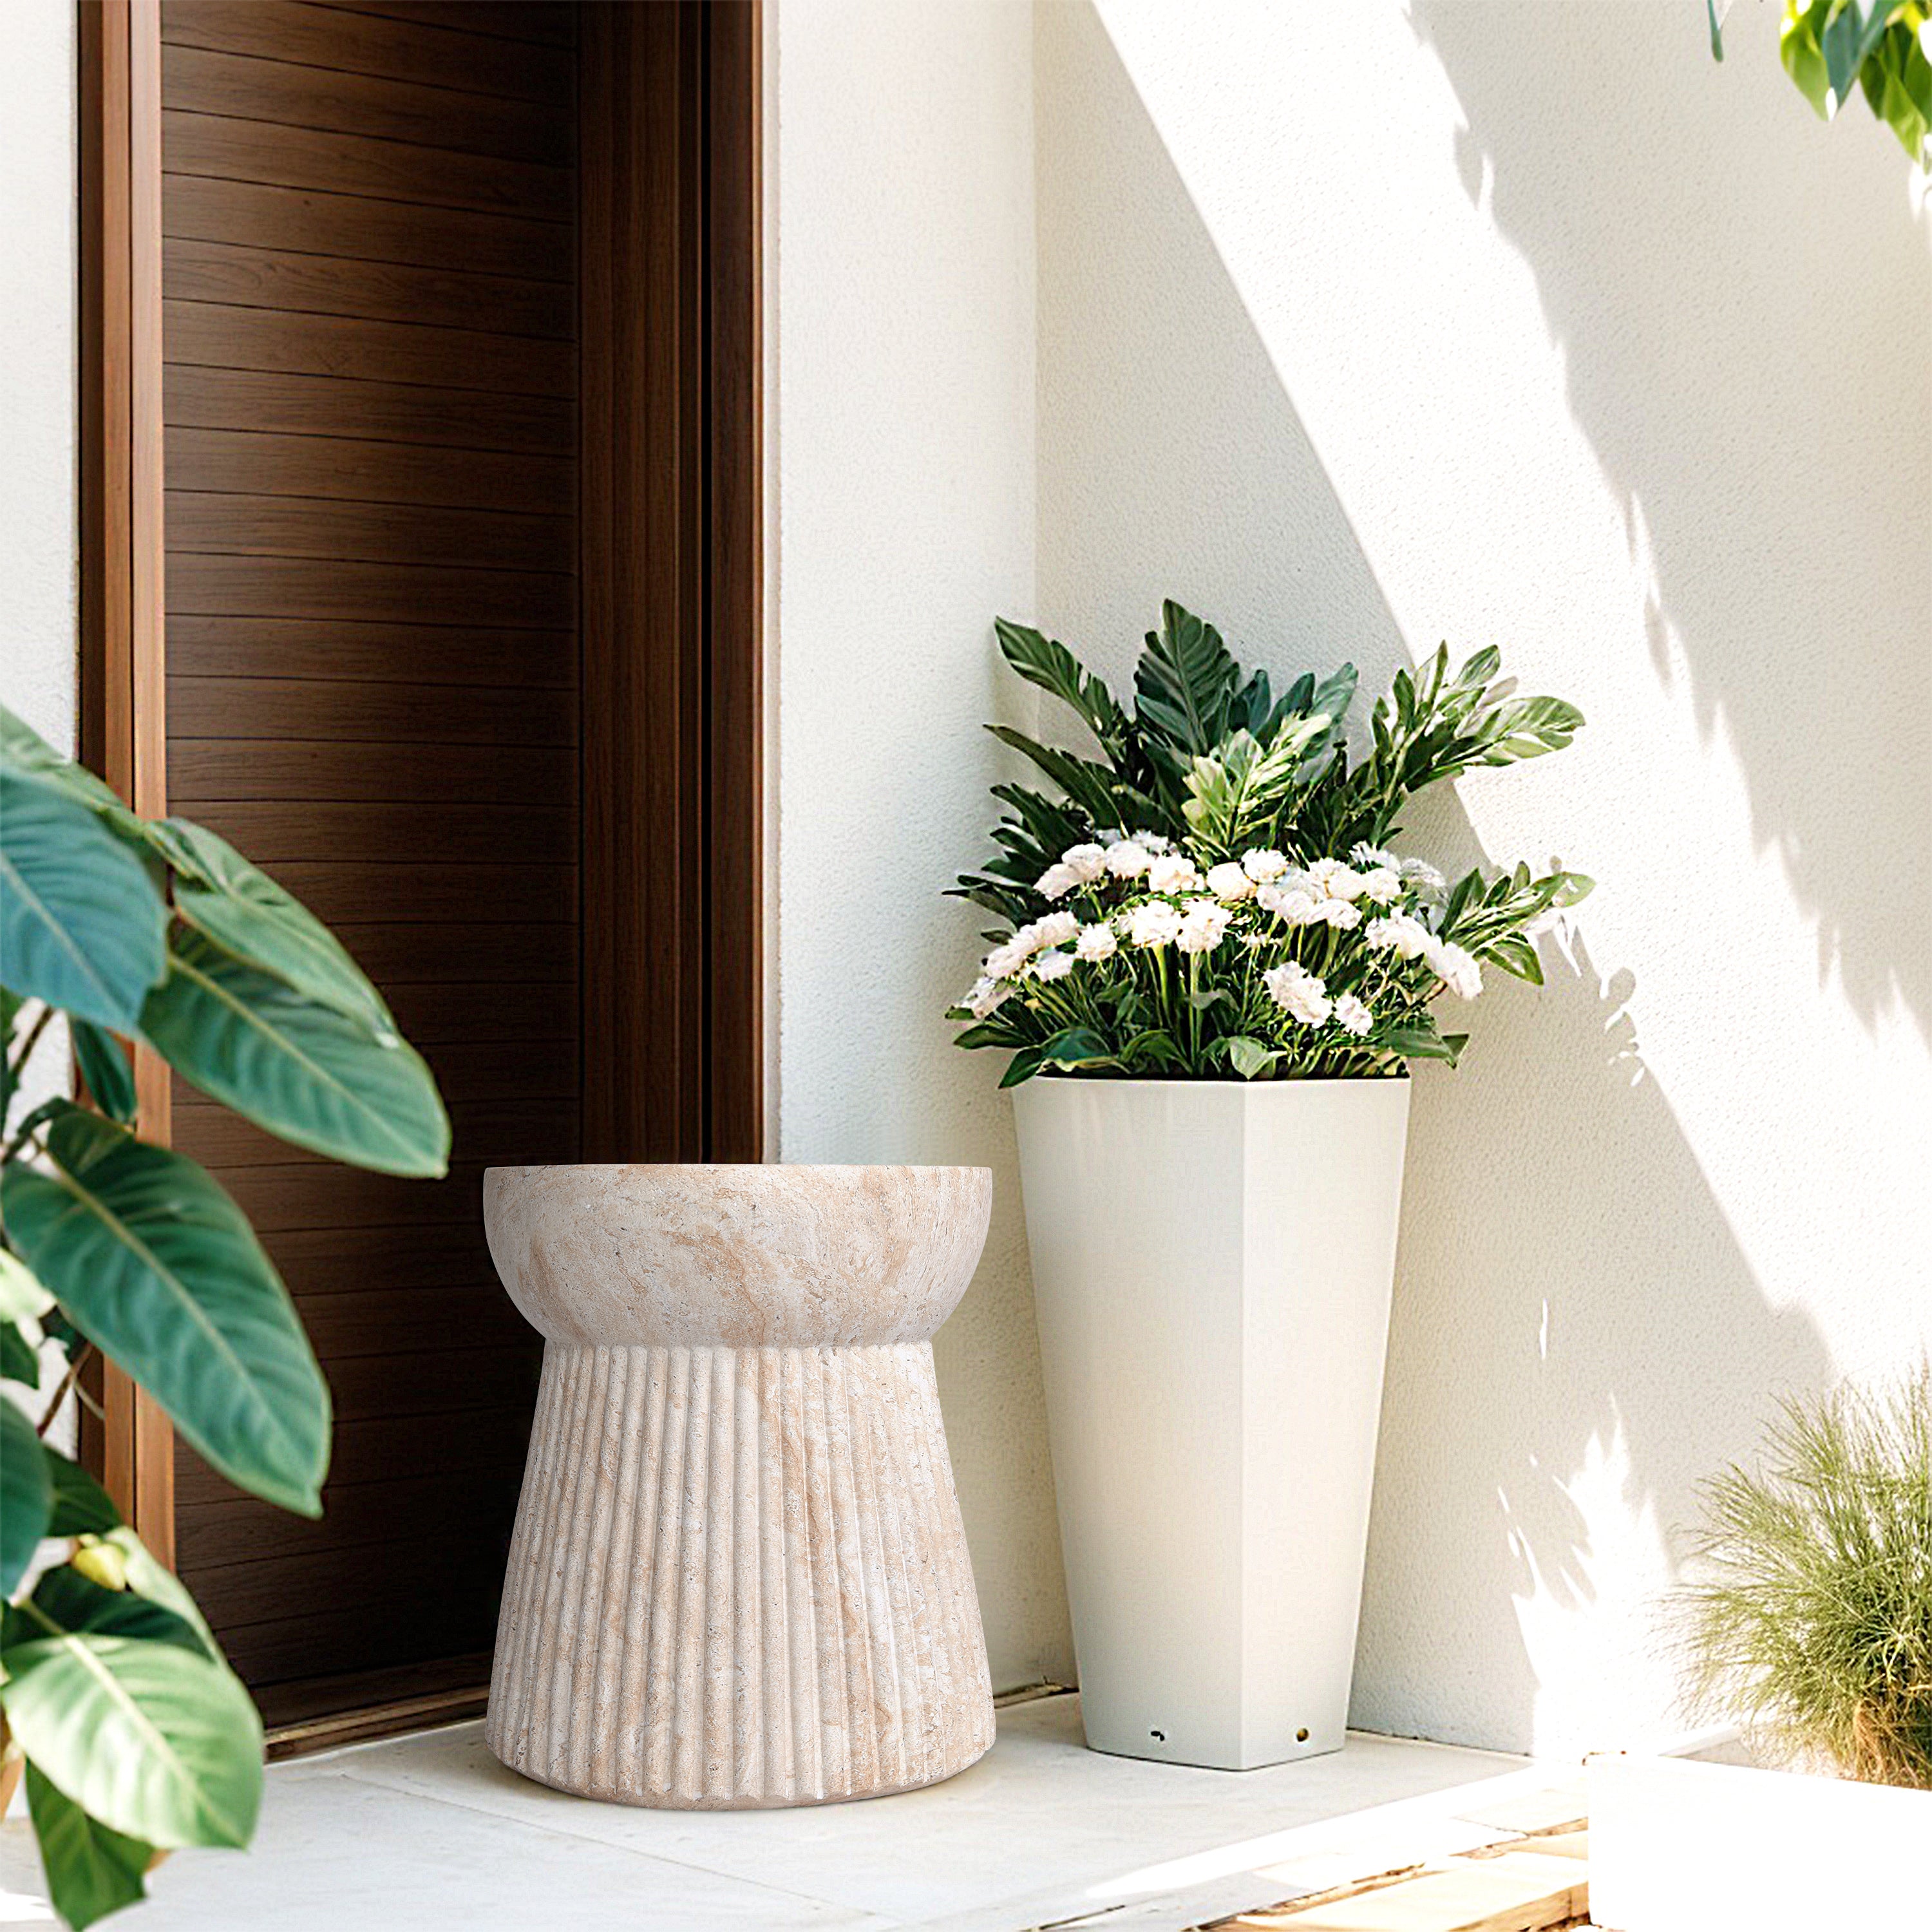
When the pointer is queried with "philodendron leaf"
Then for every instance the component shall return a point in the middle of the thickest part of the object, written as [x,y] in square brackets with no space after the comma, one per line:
[82,1508]
[81,925]
[307,1073]
[91,1870]
[158,1267]
[26,1494]
[73,1602]
[23,750]
[104,1067]
[156,1741]
[237,905]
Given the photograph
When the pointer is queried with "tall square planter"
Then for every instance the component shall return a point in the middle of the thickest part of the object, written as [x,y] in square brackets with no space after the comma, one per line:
[1212,1262]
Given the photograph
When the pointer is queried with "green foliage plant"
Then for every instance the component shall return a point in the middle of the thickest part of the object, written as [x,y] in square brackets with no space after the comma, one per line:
[1810,1616]
[1881,48]
[1214,896]
[138,1739]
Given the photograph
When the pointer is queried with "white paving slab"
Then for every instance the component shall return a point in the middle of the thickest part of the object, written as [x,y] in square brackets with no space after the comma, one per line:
[423,1834]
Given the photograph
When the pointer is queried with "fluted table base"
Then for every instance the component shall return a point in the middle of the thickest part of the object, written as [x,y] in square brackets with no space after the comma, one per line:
[739,1578]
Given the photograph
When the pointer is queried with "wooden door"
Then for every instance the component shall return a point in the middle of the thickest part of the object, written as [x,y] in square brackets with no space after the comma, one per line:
[446,538]
[369,451]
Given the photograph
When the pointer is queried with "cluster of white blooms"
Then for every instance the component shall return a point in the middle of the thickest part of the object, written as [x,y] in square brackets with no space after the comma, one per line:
[1176,904]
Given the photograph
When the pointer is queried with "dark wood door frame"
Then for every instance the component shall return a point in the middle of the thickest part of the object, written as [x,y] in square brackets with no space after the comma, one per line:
[672,630]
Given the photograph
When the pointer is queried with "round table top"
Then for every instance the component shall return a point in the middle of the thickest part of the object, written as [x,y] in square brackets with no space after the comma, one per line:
[744,1256]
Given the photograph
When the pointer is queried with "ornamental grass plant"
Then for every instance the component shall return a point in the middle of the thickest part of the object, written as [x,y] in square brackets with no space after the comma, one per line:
[1218,895]
[1811,1619]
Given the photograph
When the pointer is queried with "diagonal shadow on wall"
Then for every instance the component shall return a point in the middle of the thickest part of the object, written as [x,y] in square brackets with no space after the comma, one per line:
[1764,553]
[1173,463]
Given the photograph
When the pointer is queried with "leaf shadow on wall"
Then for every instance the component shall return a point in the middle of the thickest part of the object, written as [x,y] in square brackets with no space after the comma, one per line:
[1730,399]
[1565,1275]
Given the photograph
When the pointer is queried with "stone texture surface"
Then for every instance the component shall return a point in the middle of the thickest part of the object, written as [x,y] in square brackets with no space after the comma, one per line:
[739,1577]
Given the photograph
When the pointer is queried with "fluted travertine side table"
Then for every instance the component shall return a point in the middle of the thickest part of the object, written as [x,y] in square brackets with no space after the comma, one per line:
[738,1576]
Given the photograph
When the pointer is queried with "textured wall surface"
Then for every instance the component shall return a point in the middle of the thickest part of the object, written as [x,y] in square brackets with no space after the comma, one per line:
[1362,327]
[37,351]
[905,422]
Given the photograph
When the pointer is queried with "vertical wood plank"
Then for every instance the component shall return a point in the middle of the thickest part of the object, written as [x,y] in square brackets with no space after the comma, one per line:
[123,721]
[735,618]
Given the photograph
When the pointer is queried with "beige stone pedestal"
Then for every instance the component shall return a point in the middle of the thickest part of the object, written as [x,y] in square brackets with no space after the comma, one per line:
[738,1576]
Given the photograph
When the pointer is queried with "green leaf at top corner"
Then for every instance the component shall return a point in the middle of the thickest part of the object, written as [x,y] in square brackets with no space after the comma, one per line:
[91,1870]
[26,1494]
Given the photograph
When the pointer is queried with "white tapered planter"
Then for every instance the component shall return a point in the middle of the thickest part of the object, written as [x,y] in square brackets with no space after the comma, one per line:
[1212,1265]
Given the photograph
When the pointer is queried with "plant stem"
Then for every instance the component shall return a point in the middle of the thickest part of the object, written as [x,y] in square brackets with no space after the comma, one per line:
[76,1364]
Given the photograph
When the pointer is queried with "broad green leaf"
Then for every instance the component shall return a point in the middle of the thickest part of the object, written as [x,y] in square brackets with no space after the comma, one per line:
[26,1494]
[22,1296]
[104,1067]
[19,1359]
[1023,1066]
[1249,1058]
[1076,1046]
[239,906]
[1851,33]
[161,1586]
[73,1602]
[81,1507]
[1054,668]
[91,1870]
[307,1073]
[23,750]
[1185,681]
[1422,1039]
[81,925]
[158,1267]
[155,1741]
[1514,954]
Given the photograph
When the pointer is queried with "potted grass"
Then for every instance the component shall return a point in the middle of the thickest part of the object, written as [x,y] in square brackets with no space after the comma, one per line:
[1214,967]
[1805,1620]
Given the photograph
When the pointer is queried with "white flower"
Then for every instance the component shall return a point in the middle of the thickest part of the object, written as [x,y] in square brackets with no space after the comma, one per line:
[1128,858]
[1381,884]
[1086,863]
[1096,942]
[1003,961]
[1057,881]
[1299,992]
[1457,970]
[1229,883]
[1154,923]
[1408,938]
[1352,1016]
[1370,857]
[1055,929]
[1054,965]
[1292,904]
[1339,914]
[1427,882]
[1204,925]
[1173,872]
[1264,866]
[986,994]
[1153,842]
[1329,878]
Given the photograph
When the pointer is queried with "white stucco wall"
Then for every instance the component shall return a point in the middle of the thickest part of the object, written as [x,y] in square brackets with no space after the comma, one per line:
[1497,320]
[38,582]
[902,162]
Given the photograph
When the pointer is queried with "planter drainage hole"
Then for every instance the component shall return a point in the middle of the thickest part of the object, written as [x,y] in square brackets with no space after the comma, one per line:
[1301,1735]
[1159,1737]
